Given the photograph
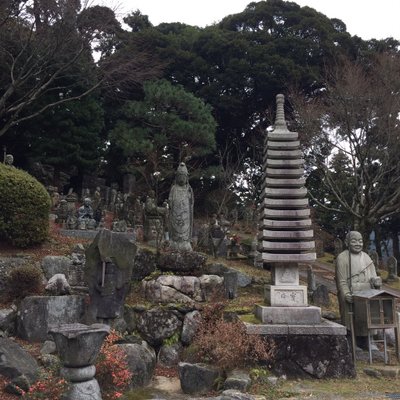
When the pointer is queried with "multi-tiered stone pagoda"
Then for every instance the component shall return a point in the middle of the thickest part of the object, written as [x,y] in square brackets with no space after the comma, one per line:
[286,236]
[306,344]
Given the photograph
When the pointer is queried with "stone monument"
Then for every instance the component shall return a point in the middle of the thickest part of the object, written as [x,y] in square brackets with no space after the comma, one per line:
[108,271]
[306,344]
[286,233]
[180,202]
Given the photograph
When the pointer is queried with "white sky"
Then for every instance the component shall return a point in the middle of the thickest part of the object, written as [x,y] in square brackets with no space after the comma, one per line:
[365,18]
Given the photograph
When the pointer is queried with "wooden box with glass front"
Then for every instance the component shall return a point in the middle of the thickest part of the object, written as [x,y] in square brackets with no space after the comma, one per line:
[375,309]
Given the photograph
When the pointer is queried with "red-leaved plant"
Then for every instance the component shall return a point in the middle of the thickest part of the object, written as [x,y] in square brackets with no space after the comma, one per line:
[112,371]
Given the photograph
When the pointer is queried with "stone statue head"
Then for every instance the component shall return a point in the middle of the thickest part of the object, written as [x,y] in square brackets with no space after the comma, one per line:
[354,242]
[182,174]
[9,159]
[87,202]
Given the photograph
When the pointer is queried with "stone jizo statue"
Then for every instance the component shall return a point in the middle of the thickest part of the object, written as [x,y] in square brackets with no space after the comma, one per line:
[355,271]
[85,215]
[181,211]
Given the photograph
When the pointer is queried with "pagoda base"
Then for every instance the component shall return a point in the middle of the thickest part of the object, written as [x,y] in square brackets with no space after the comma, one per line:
[308,351]
[286,295]
[309,315]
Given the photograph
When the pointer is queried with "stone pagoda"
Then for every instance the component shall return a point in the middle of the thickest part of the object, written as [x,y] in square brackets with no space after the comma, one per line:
[306,344]
[286,235]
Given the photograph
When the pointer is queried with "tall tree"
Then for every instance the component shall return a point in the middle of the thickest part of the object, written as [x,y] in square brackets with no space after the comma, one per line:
[167,126]
[42,42]
[358,115]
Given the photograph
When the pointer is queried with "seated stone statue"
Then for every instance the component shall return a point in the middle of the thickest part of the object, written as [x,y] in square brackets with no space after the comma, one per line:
[85,215]
[355,271]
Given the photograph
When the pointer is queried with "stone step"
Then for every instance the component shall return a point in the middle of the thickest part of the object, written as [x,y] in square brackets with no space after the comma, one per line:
[286,214]
[284,172]
[291,235]
[284,154]
[288,246]
[277,258]
[285,224]
[285,203]
[292,145]
[287,182]
[284,193]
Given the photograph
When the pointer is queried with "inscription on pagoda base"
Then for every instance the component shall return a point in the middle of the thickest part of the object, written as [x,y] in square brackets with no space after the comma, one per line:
[288,315]
[286,295]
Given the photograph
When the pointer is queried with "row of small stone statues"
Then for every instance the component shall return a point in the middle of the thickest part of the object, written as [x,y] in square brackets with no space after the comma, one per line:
[128,211]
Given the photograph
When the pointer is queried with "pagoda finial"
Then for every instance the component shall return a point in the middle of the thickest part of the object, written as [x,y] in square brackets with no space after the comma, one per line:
[280,122]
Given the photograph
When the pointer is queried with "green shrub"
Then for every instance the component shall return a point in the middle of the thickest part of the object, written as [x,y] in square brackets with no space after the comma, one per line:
[24,205]
[26,280]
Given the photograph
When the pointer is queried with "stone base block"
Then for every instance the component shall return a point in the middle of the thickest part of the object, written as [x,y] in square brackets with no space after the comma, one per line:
[289,315]
[316,355]
[286,295]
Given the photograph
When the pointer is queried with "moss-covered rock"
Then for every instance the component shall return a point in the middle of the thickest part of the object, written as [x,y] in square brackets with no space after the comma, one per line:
[24,205]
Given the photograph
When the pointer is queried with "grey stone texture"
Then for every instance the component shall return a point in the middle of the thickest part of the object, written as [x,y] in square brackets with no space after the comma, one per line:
[141,359]
[191,323]
[15,361]
[186,261]
[312,356]
[8,318]
[58,285]
[158,324]
[197,378]
[108,270]
[237,380]
[145,263]
[169,355]
[52,265]
[37,314]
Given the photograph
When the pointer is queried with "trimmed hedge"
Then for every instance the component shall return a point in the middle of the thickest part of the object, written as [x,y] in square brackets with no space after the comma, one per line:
[24,208]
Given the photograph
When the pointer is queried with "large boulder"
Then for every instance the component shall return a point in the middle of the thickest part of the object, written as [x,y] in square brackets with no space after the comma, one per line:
[181,261]
[52,265]
[169,355]
[157,324]
[37,314]
[190,325]
[8,318]
[15,361]
[173,289]
[141,359]
[145,263]
[197,378]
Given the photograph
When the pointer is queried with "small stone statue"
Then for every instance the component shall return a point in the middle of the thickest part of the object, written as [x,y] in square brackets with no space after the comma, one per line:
[154,218]
[9,159]
[85,215]
[181,211]
[392,268]
[362,277]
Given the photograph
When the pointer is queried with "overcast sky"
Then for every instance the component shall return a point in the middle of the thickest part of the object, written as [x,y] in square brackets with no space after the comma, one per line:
[365,18]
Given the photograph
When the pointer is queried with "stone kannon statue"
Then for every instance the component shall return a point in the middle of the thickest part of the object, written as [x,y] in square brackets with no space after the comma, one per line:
[355,271]
[85,215]
[181,211]
[9,159]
